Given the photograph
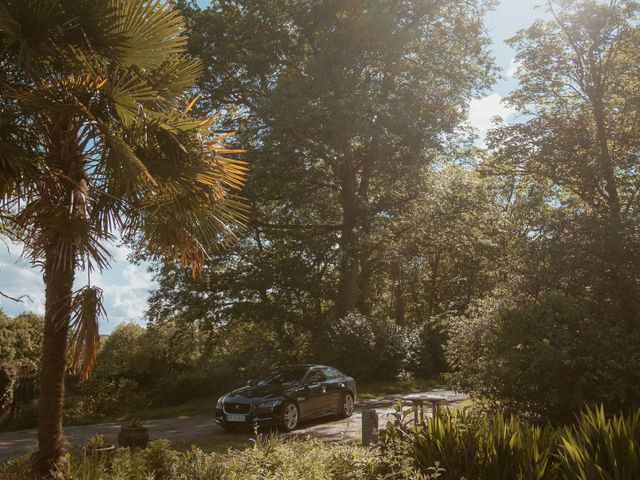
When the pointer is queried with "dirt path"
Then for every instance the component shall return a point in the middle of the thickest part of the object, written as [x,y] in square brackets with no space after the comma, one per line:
[203,429]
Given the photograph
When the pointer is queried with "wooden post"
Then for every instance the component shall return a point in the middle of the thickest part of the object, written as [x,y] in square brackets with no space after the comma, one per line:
[369,427]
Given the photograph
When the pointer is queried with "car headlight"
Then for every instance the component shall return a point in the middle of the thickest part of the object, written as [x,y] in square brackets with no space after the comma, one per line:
[269,404]
[220,400]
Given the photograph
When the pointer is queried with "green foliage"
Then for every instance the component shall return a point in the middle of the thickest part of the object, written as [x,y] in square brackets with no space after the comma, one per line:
[494,447]
[504,356]
[601,447]
[161,459]
[20,346]
[16,469]
[173,362]
[344,130]
[449,446]
[382,351]
[571,159]
[269,459]
[21,341]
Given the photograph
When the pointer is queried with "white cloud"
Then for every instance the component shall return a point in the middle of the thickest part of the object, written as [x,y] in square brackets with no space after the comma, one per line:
[118,252]
[482,111]
[126,286]
[17,278]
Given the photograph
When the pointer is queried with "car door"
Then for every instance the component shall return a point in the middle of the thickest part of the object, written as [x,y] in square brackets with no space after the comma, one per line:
[332,400]
[314,391]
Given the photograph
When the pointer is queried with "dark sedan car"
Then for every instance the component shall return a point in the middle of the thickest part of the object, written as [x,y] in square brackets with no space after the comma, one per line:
[288,395]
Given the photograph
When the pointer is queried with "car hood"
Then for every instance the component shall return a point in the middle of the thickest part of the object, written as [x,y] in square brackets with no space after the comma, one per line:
[254,393]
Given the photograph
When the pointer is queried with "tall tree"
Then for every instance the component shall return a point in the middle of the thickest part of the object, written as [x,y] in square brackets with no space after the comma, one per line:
[580,136]
[96,138]
[353,99]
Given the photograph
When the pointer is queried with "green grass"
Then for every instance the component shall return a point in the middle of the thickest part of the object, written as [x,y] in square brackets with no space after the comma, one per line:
[202,406]
[368,390]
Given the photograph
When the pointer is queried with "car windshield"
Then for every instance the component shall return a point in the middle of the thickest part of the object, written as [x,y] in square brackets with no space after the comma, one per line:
[287,377]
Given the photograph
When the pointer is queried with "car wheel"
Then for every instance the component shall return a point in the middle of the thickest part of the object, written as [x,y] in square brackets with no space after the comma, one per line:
[290,416]
[347,406]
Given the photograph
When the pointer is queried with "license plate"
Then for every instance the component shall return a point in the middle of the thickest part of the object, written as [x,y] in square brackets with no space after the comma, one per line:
[236,418]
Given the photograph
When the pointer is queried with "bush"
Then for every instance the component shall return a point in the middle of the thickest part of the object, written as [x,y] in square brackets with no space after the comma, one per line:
[598,447]
[429,360]
[370,349]
[497,447]
[543,360]
[161,459]
[450,446]
[271,458]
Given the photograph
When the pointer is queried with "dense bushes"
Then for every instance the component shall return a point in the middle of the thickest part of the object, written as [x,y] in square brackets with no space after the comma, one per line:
[169,363]
[273,458]
[544,359]
[495,447]
[370,348]
[20,344]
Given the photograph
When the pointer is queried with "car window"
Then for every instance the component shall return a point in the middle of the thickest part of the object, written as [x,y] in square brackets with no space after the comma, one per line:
[315,376]
[331,373]
[287,377]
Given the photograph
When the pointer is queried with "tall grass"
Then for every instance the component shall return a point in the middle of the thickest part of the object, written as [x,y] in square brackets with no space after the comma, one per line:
[496,447]
[604,448]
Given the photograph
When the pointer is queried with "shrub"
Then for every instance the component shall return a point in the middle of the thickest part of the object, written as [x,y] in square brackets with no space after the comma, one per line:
[450,446]
[543,360]
[429,360]
[369,348]
[498,447]
[160,459]
[198,465]
[601,447]
[18,469]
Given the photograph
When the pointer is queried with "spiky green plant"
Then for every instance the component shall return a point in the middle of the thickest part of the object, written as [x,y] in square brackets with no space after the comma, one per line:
[97,139]
[601,447]
[512,449]
[450,440]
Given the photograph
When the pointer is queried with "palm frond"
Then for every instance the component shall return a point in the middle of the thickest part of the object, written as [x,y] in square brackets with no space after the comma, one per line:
[152,31]
[88,310]
[175,76]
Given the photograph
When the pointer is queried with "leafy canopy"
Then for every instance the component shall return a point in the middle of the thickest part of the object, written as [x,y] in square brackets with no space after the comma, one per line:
[97,138]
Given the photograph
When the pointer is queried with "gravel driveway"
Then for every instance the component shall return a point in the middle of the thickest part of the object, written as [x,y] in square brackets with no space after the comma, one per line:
[203,429]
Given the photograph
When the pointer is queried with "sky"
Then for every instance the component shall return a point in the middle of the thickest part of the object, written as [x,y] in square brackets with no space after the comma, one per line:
[126,286]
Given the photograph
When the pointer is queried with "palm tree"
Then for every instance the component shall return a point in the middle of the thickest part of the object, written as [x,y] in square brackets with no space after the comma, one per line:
[97,140]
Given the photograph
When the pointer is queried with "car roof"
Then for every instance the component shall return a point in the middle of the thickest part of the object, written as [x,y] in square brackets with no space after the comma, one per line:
[303,365]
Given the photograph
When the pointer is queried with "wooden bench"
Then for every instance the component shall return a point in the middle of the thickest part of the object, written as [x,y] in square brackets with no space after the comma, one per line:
[418,400]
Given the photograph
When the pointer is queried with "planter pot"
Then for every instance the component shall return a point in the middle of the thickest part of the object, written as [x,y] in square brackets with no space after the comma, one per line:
[133,437]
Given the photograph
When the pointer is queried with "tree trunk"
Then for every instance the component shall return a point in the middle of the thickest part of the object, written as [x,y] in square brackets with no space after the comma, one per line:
[58,278]
[364,279]
[433,295]
[348,292]
[64,204]
[614,244]
[398,292]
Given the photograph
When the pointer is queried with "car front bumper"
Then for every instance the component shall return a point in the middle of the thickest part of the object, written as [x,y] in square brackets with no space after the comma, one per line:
[251,419]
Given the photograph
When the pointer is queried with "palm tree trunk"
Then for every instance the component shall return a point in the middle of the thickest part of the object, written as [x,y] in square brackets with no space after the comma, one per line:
[60,250]
[58,278]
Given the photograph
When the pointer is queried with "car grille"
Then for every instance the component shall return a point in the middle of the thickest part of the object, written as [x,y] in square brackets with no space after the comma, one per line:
[241,408]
